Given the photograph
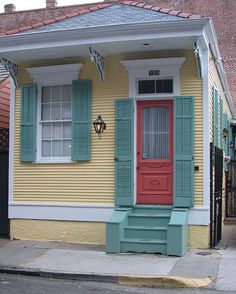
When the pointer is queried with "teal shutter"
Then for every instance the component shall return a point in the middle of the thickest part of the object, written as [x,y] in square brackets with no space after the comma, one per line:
[221,123]
[184,151]
[81,120]
[28,121]
[124,148]
[215,116]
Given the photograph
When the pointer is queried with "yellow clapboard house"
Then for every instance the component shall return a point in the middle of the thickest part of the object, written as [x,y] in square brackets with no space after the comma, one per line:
[155,79]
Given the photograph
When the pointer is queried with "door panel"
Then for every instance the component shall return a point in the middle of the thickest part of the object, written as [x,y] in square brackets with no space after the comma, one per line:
[155,152]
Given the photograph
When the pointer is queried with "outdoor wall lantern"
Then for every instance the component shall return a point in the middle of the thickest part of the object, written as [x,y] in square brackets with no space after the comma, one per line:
[99,125]
[225,133]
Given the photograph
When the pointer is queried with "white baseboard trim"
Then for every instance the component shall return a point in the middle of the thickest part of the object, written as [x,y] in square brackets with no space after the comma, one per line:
[60,212]
[199,216]
[90,213]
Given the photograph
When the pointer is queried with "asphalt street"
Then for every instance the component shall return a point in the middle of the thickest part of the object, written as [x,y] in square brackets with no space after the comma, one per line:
[17,284]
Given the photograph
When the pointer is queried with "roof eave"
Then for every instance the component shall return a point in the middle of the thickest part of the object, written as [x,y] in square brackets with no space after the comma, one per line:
[213,45]
[82,36]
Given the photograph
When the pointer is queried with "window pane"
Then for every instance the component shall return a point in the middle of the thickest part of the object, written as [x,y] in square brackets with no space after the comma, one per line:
[46,130]
[56,111]
[66,93]
[155,133]
[66,131]
[66,110]
[46,92]
[168,86]
[56,148]
[146,87]
[66,148]
[56,130]
[164,86]
[46,148]
[45,115]
[56,93]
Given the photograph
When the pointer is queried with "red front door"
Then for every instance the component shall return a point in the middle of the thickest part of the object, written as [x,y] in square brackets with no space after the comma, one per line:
[155,152]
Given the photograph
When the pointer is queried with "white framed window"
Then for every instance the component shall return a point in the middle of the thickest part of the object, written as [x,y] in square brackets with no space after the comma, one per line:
[54,111]
[55,121]
[155,86]
[154,78]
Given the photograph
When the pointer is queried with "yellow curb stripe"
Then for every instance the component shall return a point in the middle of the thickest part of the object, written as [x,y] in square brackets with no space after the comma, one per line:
[163,281]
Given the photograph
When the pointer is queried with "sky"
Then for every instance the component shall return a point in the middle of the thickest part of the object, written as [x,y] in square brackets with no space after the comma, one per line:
[33,4]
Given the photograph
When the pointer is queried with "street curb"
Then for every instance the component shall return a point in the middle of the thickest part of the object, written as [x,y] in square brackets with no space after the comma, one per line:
[60,275]
[131,280]
[164,281]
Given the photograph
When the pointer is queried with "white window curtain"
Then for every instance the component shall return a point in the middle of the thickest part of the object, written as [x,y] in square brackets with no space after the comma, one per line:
[155,133]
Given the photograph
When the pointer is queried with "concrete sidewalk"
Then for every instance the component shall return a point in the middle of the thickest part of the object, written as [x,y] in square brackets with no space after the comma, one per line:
[198,268]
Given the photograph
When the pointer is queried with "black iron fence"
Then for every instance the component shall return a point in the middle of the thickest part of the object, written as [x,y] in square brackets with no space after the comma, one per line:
[231,189]
[216,178]
[4,140]
[4,146]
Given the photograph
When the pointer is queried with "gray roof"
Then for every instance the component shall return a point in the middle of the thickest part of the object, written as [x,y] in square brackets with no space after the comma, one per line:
[113,15]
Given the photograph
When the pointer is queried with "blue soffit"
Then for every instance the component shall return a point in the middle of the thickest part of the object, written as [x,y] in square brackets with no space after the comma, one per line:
[117,14]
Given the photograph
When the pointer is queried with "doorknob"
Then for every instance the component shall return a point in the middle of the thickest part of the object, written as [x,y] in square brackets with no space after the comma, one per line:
[138,167]
[116,158]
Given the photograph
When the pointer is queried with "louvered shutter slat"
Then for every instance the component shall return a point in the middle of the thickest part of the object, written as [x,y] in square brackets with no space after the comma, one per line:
[28,123]
[81,120]
[184,151]
[124,145]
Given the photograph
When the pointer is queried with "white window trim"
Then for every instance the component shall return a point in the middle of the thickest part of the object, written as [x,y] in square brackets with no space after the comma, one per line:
[51,76]
[139,70]
[39,157]
[154,94]
[55,74]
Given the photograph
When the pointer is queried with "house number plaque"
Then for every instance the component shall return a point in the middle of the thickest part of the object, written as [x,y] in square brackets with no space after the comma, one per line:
[154,72]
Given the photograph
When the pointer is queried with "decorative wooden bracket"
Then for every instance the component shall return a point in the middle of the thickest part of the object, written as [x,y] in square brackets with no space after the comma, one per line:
[12,68]
[99,60]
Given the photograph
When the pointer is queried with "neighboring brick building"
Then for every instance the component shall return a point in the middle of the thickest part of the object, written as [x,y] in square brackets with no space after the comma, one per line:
[221,11]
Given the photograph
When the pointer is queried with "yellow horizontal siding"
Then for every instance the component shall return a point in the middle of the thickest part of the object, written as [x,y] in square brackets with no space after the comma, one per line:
[93,182]
[83,182]
[191,85]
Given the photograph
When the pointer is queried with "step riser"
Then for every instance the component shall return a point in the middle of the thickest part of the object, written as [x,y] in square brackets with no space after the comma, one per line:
[152,211]
[147,221]
[143,248]
[145,234]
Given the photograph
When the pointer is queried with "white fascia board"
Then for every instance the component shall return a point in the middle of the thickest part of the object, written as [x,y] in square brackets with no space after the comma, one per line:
[140,64]
[96,35]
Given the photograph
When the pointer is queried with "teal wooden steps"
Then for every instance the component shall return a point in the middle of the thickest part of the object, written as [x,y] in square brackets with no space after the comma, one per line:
[159,232]
[146,230]
[144,246]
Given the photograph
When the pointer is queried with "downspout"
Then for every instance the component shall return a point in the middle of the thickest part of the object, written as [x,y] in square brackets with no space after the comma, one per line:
[211,194]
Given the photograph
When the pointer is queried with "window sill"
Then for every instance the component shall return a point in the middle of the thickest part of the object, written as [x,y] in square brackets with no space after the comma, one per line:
[54,161]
